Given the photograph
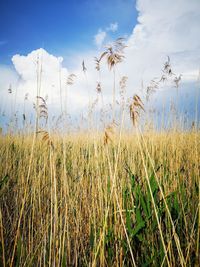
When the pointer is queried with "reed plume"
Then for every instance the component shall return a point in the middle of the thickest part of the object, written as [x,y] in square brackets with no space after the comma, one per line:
[135,108]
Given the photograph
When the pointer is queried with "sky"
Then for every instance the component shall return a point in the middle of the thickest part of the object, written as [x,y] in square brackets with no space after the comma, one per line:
[59,26]
[64,33]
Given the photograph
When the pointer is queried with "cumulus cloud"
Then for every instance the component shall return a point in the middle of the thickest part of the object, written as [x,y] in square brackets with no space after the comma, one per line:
[164,28]
[7,77]
[39,68]
[39,63]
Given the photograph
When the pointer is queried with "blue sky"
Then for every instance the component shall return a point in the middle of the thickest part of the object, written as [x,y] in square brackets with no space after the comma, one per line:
[79,29]
[59,26]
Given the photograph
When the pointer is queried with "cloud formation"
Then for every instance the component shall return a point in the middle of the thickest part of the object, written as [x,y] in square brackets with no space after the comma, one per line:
[164,28]
[101,35]
[39,63]
[46,71]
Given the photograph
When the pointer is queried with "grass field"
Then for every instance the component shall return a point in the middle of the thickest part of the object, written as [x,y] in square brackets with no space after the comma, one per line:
[76,201]
[102,195]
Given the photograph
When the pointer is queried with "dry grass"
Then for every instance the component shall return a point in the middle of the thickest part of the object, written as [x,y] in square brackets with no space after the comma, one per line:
[109,198]
[72,212]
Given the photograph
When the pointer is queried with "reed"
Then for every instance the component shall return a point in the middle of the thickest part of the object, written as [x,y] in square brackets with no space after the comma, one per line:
[109,197]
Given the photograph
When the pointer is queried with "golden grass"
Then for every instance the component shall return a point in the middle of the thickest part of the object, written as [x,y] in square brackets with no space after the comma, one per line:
[81,202]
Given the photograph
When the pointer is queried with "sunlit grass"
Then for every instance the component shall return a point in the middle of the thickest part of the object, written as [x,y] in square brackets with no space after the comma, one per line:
[103,195]
[79,202]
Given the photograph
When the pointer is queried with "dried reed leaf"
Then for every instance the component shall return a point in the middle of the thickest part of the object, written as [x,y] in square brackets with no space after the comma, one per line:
[97,63]
[45,137]
[109,133]
[10,89]
[114,53]
[83,67]
[135,107]
[177,80]
[98,88]
[70,79]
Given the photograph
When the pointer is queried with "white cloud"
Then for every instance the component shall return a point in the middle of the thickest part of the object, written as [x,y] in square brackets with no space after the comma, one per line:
[24,81]
[113,27]
[101,35]
[99,38]
[26,67]
[164,28]
[7,77]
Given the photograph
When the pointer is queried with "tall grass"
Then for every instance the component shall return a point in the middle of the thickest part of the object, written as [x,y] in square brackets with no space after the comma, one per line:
[100,198]
[71,211]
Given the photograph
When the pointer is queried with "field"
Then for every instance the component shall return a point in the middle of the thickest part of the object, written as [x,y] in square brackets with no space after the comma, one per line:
[105,194]
[76,201]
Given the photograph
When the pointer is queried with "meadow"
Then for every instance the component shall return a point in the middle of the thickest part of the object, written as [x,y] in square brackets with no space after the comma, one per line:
[101,198]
